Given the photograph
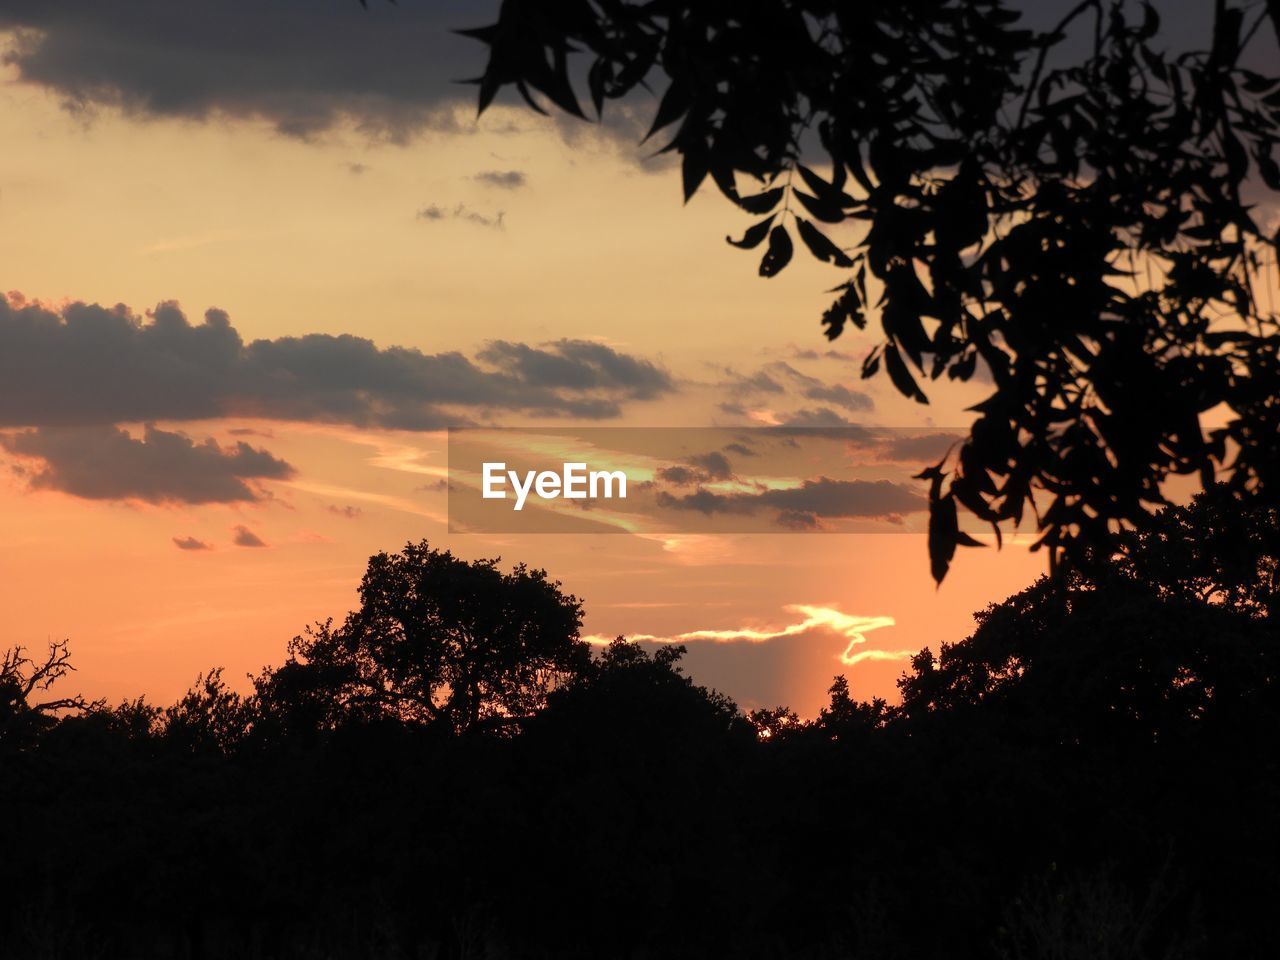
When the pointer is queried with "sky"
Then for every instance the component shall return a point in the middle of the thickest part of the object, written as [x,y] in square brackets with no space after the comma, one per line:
[258,257]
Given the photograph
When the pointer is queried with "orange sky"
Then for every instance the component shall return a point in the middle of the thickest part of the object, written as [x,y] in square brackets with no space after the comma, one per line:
[324,234]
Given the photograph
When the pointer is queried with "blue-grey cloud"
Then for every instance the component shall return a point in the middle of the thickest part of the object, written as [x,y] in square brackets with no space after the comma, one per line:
[107,463]
[244,537]
[779,378]
[505,179]
[87,364]
[433,212]
[814,500]
[302,65]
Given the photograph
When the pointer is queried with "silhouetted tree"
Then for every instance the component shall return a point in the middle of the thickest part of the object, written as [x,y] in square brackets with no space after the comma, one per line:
[435,640]
[22,680]
[1219,548]
[846,717]
[626,693]
[209,717]
[1066,209]
[1092,773]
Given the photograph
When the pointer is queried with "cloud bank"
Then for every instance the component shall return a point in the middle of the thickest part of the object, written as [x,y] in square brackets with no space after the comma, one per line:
[85,364]
[160,467]
[301,65]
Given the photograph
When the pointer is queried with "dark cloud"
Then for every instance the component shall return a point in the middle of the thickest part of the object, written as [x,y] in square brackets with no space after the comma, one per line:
[506,179]
[821,498]
[106,463]
[247,538]
[715,464]
[579,365]
[190,543]
[680,476]
[302,65]
[839,394]
[348,512]
[819,417]
[701,468]
[87,364]
[758,382]
[806,353]
[435,212]
[780,377]
[923,448]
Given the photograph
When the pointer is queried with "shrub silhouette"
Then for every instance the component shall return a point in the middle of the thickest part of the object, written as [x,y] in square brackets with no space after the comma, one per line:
[1090,773]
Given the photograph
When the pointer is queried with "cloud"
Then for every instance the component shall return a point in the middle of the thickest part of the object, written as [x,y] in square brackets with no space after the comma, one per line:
[247,538]
[922,448]
[348,512]
[301,65]
[805,505]
[817,418]
[579,365]
[701,468]
[505,179]
[190,543]
[715,464]
[779,377]
[851,627]
[807,353]
[107,463]
[841,395]
[435,212]
[83,364]
[680,476]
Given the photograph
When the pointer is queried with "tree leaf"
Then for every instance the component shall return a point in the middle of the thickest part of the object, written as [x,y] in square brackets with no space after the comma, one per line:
[754,236]
[821,209]
[901,376]
[779,253]
[820,246]
[761,202]
[944,534]
[675,102]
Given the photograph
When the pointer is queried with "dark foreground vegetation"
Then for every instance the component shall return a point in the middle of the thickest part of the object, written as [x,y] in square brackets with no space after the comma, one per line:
[450,773]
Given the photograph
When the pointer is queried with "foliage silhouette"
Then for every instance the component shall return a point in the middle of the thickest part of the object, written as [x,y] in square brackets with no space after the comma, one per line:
[1091,773]
[435,640]
[1069,209]
[22,679]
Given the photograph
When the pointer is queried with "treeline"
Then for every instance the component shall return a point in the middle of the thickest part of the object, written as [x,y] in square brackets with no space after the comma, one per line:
[451,772]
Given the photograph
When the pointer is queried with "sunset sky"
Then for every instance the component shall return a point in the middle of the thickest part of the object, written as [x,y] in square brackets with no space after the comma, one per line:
[260,256]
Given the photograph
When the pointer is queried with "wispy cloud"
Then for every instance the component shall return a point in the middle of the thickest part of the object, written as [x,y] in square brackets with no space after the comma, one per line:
[503,179]
[435,212]
[816,619]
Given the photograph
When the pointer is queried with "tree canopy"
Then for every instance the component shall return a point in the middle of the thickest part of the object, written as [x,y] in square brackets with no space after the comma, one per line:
[436,639]
[1064,782]
[1068,213]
